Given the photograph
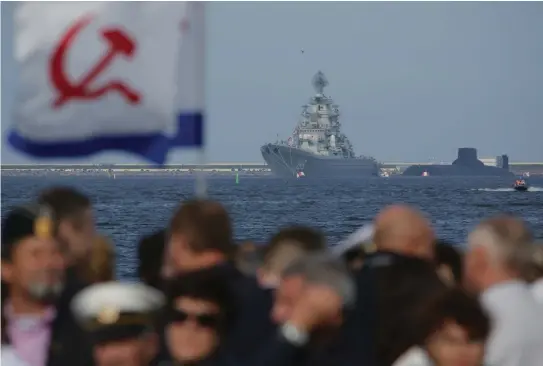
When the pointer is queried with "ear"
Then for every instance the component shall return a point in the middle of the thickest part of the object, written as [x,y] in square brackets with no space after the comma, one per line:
[480,256]
[65,228]
[7,271]
[152,345]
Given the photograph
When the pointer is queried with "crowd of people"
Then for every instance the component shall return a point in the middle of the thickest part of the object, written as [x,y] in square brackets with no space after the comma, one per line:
[392,294]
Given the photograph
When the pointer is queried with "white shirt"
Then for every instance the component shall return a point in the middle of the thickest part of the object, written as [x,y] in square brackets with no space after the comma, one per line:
[415,356]
[8,357]
[516,338]
[537,290]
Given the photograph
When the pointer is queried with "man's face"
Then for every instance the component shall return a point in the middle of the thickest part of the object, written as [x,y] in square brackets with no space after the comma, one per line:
[193,334]
[474,267]
[129,352]
[286,296]
[179,256]
[78,234]
[451,346]
[37,269]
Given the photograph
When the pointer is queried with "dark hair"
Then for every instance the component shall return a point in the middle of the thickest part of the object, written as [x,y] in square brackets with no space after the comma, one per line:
[308,239]
[150,258]
[454,305]
[447,254]
[207,226]
[206,284]
[66,203]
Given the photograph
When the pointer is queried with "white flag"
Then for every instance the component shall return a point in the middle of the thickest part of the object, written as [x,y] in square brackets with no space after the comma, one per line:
[98,76]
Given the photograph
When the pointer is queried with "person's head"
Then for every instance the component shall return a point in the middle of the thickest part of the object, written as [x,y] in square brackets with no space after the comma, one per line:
[75,225]
[449,262]
[453,328]
[200,235]
[317,268]
[498,250]
[119,318]
[32,264]
[101,266]
[200,309]
[286,246]
[404,230]
[151,258]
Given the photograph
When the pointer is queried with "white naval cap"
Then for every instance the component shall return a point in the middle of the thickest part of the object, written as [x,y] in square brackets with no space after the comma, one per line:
[361,237]
[116,304]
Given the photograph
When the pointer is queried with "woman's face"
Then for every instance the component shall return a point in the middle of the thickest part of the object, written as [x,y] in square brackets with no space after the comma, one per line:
[192,334]
[451,346]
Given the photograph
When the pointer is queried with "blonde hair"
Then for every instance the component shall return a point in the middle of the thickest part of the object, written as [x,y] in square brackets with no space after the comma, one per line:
[101,267]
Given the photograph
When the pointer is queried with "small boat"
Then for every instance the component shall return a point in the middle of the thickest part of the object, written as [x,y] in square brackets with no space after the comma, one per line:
[520,185]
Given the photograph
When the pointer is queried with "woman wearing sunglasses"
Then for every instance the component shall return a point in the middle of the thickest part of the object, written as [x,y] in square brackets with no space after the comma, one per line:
[200,309]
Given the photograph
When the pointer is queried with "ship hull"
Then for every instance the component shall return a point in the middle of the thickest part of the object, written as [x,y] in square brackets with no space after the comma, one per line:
[285,161]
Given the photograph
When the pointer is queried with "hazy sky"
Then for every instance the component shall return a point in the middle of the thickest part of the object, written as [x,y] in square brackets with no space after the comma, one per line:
[413,80]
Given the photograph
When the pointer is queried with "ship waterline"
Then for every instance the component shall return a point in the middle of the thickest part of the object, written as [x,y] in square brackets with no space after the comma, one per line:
[285,161]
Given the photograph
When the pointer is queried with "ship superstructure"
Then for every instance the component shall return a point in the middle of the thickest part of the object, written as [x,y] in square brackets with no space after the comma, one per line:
[317,146]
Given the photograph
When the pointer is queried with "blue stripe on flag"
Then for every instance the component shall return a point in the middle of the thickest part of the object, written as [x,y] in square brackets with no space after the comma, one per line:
[153,147]
[190,130]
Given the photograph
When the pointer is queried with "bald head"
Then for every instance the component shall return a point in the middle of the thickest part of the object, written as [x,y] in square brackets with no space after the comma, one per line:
[404,230]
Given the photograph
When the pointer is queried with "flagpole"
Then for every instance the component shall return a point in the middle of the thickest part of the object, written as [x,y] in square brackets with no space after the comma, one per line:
[200,188]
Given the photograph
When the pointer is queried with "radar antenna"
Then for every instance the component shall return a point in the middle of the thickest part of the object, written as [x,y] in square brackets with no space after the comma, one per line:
[319,82]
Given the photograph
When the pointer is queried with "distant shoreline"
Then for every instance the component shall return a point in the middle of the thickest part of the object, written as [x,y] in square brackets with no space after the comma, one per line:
[37,172]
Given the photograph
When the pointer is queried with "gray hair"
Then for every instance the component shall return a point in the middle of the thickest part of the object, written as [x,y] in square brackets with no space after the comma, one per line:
[324,269]
[508,240]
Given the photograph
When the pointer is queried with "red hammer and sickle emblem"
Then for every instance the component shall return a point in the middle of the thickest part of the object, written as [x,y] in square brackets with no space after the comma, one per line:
[119,44]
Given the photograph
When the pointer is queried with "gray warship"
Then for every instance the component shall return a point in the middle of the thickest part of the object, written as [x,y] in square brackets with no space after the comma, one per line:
[317,148]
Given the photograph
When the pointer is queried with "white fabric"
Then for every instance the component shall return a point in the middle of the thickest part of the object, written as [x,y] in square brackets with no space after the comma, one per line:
[163,70]
[413,357]
[118,296]
[360,236]
[517,326]
[537,290]
[8,357]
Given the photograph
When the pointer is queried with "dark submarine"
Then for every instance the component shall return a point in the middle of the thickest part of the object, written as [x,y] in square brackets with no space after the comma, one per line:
[466,164]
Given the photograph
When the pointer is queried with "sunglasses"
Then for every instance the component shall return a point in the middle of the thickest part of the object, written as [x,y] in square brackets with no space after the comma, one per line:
[204,320]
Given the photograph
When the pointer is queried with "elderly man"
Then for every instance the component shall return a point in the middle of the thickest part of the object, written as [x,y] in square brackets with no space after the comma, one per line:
[309,305]
[37,322]
[498,249]
[405,245]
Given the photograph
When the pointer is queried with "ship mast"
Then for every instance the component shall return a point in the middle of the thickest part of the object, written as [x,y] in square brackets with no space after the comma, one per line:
[319,82]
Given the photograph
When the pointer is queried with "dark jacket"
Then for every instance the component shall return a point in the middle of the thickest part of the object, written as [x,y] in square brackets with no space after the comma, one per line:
[252,326]
[69,343]
[326,351]
[391,287]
